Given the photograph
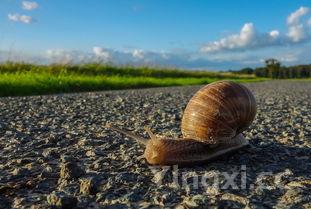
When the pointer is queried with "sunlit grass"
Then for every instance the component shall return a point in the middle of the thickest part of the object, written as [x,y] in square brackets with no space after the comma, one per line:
[30,84]
[110,70]
[25,79]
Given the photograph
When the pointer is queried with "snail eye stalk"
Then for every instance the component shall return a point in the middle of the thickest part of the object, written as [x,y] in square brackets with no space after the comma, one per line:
[128,134]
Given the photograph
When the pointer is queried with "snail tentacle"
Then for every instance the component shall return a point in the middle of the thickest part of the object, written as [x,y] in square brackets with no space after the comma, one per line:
[129,134]
[150,133]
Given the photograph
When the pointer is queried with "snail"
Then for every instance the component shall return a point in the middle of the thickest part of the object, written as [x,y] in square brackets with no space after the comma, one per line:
[212,125]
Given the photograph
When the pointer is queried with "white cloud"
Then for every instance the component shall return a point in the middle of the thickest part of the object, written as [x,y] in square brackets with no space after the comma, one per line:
[59,56]
[137,53]
[20,18]
[101,53]
[297,33]
[66,56]
[217,61]
[294,18]
[274,33]
[119,57]
[249,38]
[29,5]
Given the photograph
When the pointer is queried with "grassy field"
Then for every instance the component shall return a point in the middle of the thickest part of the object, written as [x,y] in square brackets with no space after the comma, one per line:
[25,79]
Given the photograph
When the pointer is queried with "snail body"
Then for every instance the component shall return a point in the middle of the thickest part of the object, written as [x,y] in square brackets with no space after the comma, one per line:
[212,125]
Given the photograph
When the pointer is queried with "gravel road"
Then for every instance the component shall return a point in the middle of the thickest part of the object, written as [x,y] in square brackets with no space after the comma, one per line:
[55,152]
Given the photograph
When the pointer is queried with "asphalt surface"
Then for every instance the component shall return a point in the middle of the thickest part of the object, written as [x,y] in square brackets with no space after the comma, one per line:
[55,151]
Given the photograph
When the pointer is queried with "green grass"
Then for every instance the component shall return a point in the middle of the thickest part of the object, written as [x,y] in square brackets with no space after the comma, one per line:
[110,70]
[18,79]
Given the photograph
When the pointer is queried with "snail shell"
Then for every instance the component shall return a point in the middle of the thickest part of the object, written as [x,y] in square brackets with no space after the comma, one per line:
[212,124]
[218,112]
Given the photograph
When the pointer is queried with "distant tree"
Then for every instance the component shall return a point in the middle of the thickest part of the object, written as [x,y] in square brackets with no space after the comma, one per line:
[261,72]
[247,70]
[273,69]
[282,72]
[273,66]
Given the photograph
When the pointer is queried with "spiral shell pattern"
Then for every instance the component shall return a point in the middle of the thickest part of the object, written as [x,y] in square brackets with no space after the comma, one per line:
[218,112]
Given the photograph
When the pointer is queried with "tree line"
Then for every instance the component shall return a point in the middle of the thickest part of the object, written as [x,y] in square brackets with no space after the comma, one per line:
[274,69]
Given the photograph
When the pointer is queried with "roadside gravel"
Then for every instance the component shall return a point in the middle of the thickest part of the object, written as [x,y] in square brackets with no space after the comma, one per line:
[55,151]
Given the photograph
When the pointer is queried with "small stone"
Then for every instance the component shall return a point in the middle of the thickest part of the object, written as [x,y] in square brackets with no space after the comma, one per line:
[67,158]
[23,161]
[29,166]
[89,185]
[18,202]
[280,177]
[302,184]
[295,196]
[48,169]
[47,172]
[95,166]
[90,153]
[196,201]
[39,206]
[212,191]
[60,199]
[82,142]
[93,152]
[71,170]
[170,197]
[50,153]
[307,205]
[20,172]
[145,205]
[234,198]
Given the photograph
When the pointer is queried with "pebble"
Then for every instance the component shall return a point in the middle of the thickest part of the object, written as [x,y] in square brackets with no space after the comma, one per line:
[89,186]
[71,170]
[62,200]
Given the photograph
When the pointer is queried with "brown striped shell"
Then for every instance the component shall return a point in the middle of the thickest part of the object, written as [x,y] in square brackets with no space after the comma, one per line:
[218,112]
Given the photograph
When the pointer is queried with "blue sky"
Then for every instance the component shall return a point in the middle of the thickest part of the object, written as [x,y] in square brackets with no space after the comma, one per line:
[197,34]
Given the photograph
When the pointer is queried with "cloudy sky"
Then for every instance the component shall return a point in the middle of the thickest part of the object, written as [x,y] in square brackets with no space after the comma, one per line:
[213,35]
